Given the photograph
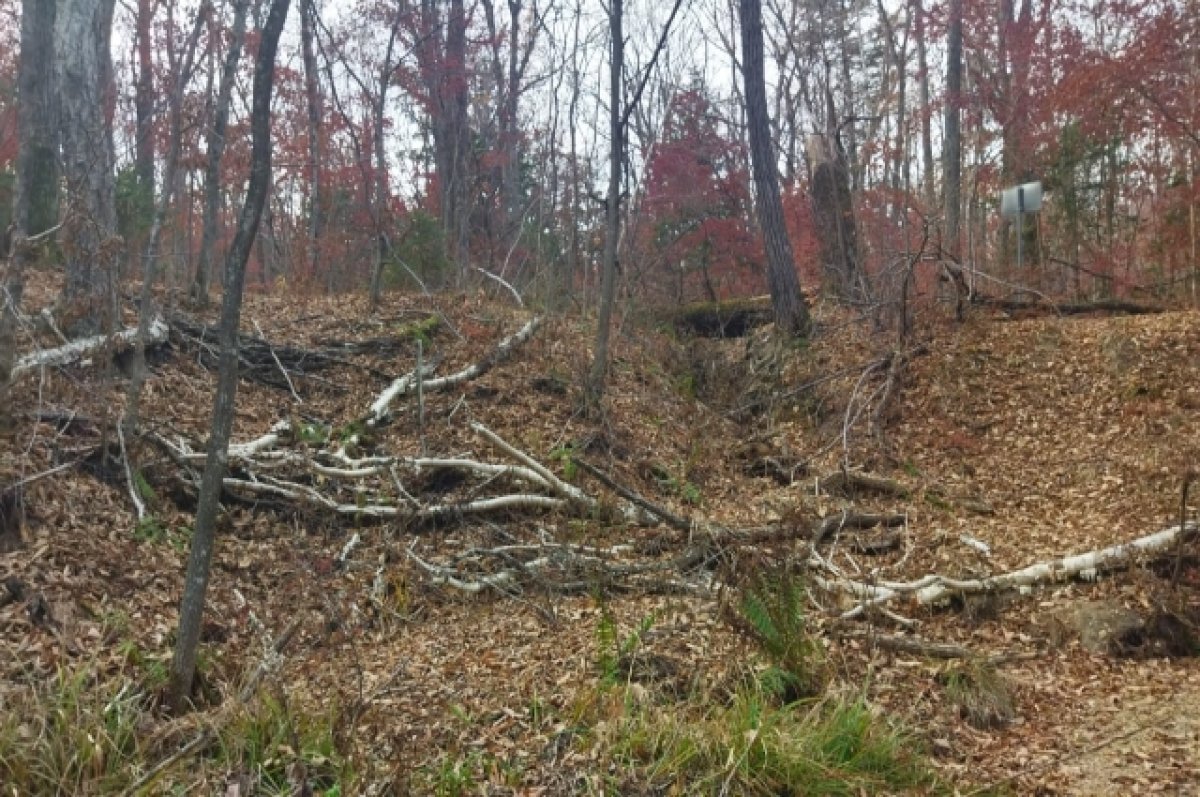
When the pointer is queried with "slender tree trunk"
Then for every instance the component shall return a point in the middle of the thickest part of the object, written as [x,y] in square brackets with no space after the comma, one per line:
[216,151]
[83,37]
[312,91]
[576,213]
[929,189]
[791,311]
[509,135]
[379,193]
[952,144]
[150,269]
[143,100]
[191,612]
[842,13]
[35,203]
[612,214]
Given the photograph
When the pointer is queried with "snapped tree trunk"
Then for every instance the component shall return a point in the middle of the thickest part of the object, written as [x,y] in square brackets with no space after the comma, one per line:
[833,217]
[791,311]
[183,665]
[612,215]
[216,150]
[83,59]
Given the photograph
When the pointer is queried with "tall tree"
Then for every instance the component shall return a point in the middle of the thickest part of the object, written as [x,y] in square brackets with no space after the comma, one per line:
[612,212]
[183,665]
[143,98]
[312,95]
[215,146]
[35,203]
[952,142]
[441,51]
[928,188]
[84,72]
[791,310]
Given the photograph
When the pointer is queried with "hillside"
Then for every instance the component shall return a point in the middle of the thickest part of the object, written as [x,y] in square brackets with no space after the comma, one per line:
[1011,442]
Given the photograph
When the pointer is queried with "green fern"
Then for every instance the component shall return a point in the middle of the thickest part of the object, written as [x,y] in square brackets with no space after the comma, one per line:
[773,608]
[606,644]
[614,652]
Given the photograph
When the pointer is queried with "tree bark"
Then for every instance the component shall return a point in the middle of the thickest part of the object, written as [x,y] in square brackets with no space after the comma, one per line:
[791,310]
[35,205]
[183,665]
[612,215]
[36,201]
[216,151]
[83,57]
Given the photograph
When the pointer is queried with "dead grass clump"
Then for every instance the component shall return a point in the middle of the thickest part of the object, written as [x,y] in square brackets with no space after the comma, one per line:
[984,697]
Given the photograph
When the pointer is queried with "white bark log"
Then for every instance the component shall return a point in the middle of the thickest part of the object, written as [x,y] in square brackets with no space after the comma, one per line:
[78,349]
[304,494]
[408,383]
[934,588]
[265,443]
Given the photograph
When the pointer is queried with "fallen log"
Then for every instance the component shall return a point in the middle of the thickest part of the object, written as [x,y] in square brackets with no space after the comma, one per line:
[936,588]
[408,383]
[1029,306]
[848,483]
[77,350]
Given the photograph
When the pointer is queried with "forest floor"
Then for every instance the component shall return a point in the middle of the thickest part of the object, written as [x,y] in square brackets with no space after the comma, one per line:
[1034,437]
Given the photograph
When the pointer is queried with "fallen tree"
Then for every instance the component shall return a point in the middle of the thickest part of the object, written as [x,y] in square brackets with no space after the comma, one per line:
[78,350]
[935,588]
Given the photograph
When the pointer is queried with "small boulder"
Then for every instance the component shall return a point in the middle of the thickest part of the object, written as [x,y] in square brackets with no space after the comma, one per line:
[1100,626]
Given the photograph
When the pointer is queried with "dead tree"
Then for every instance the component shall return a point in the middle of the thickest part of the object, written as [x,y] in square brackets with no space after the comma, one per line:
[833,216]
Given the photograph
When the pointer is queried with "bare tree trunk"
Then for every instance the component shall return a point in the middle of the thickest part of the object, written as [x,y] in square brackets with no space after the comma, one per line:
[143,102]
[183,665]
[841,15]
[379,193]
[791,311]
[442,54]
[952,145]
[612,215]
[573,258]
[84,71]
[35,204]
[216,150]
[312,91]
[929,190]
